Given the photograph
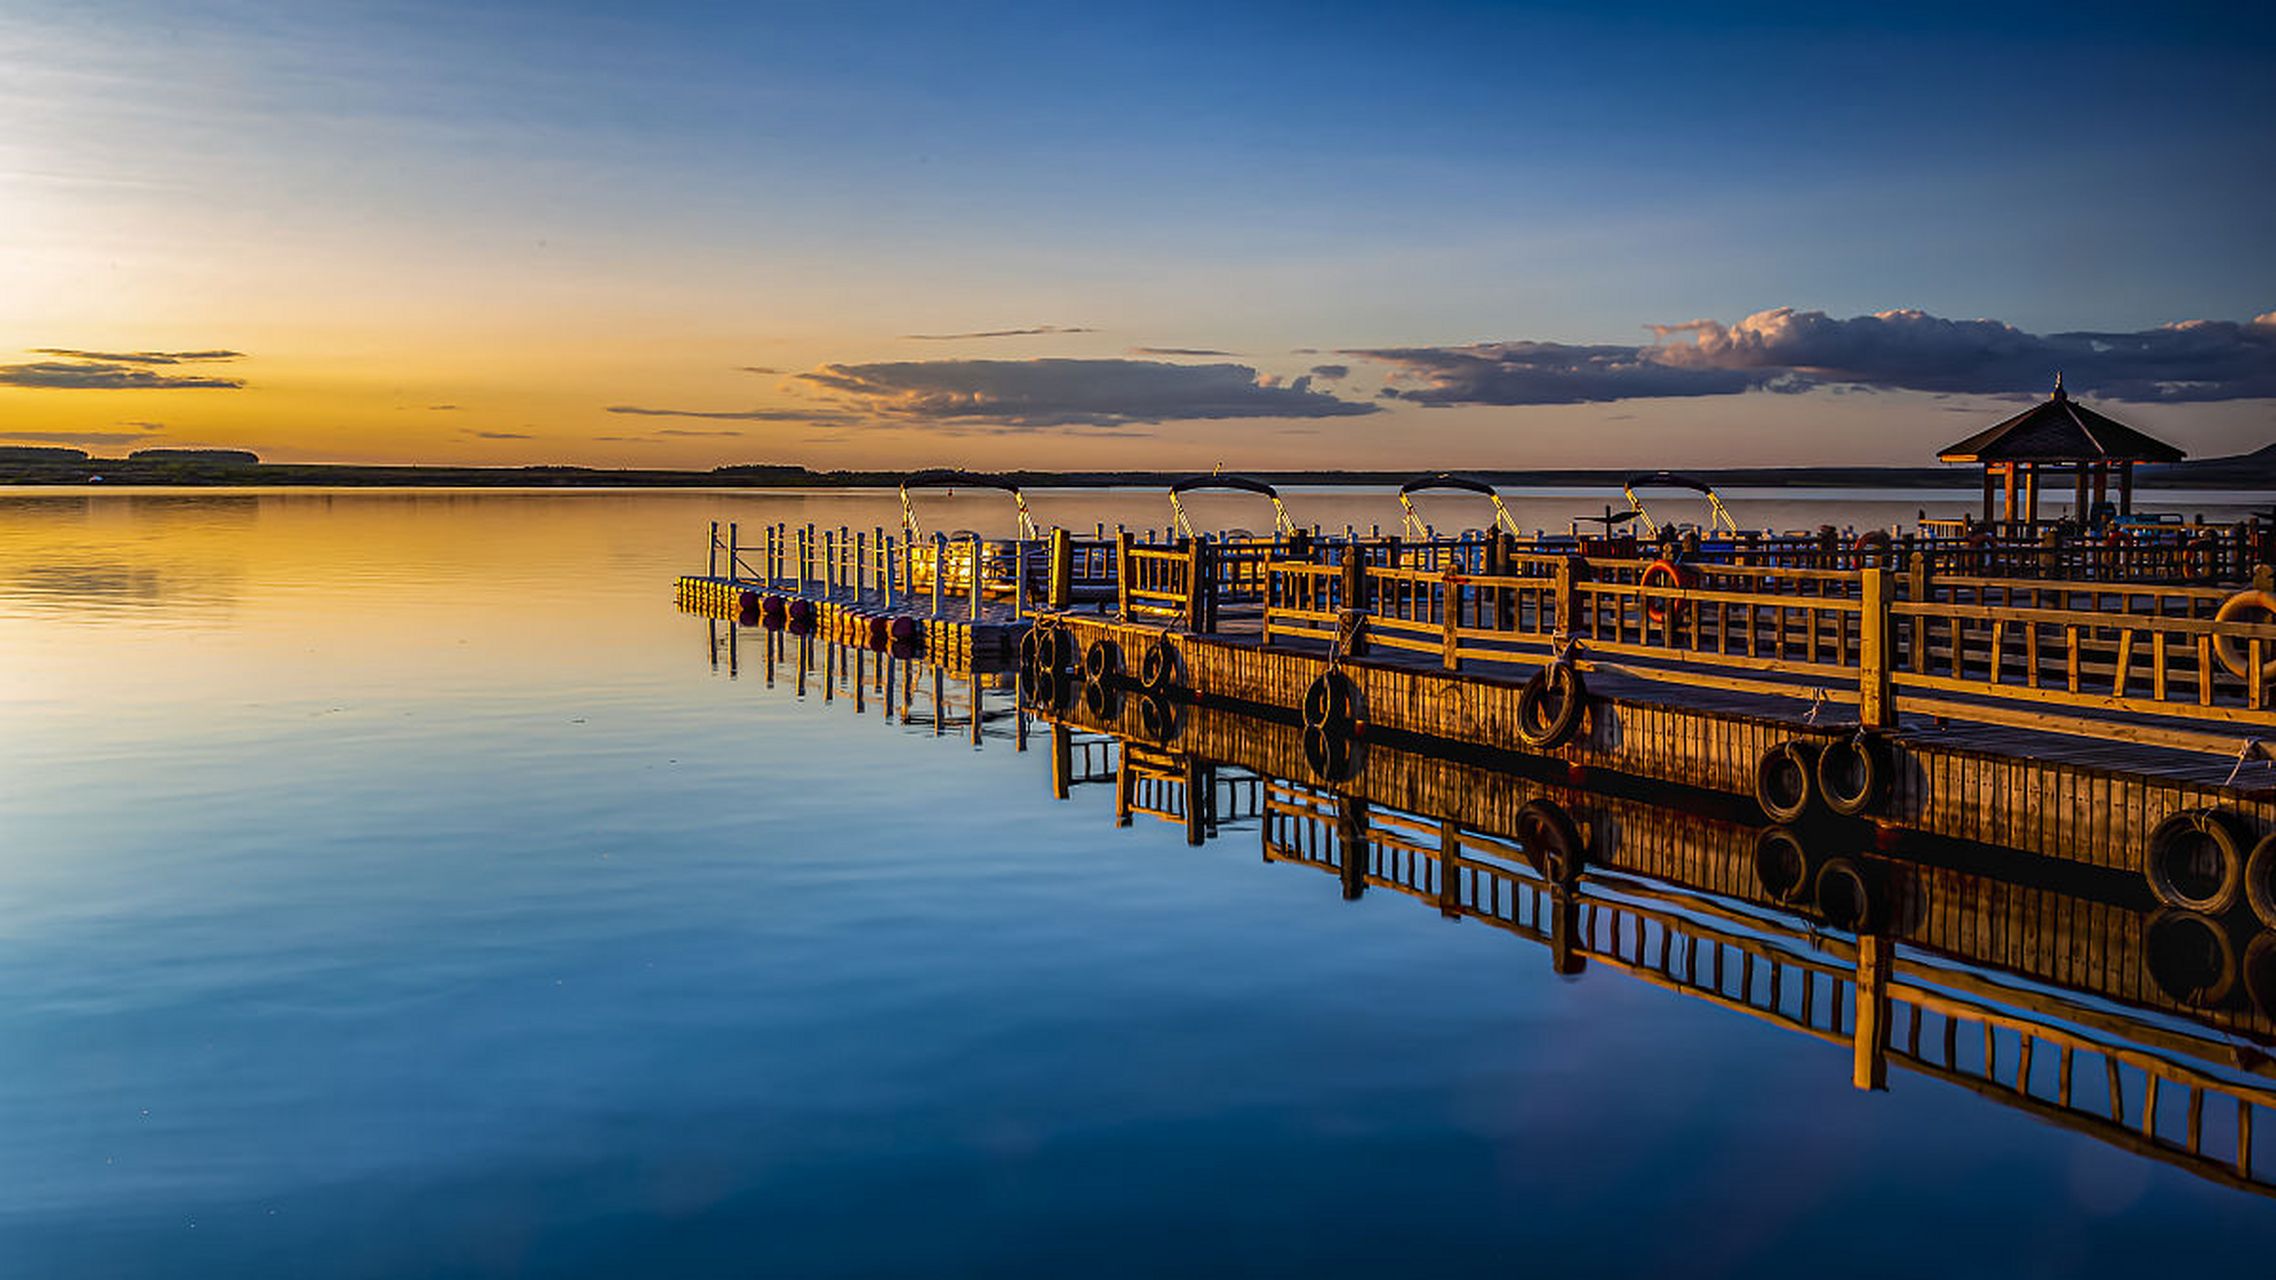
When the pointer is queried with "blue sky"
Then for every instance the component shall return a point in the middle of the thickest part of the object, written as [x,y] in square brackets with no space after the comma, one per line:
[534,213]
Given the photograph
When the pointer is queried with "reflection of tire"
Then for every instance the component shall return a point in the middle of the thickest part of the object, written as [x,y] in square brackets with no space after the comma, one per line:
[2260,880]
[2190,957]
[1853,774]
[1550,706]
[2195,862]
[1328,702]
[2259,973]
[1101,702]
[1550,840]
[1783,865]
[1331,753]
[1158,716]
[1159,669]
[1785,780]
[1848,895]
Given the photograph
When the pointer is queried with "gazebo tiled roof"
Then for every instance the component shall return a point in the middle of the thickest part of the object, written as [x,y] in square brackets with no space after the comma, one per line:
[2059,429]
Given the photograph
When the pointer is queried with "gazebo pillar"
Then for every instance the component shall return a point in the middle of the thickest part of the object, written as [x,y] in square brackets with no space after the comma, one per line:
[2008,474]
[2031,492]
[1990,469]
[2101,483]
[2078,504]
[2125,488]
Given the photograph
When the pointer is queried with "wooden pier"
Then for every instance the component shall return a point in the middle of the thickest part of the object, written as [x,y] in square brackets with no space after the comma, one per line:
[2098,715]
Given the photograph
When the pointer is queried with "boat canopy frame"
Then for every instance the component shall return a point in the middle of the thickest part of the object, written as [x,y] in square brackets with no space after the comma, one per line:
[946,478]
[1410,520]
[1282,525]
[1719,515]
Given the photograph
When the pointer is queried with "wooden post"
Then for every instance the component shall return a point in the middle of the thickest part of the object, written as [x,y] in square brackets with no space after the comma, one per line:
[1355,594]
[1449,869]
[1125,780]
[975,577]
[1122,543]
[1876,700]
[1450,617]
[1062,569]
[940,567]
[711,556]
[1568,599]
[1196,585]
[886,546]
[1062,761]
[1869,1062]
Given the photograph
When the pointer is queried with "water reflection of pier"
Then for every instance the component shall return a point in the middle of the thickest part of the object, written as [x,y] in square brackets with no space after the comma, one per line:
[2047,988]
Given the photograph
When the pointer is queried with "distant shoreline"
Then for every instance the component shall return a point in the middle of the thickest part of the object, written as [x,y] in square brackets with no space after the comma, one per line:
[2248,471]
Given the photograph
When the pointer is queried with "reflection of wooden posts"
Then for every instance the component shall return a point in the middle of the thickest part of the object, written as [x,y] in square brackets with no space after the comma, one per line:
[1125,780]
[1869,1063]
[1351,837]
[1565,958]
[1062,569]
[977,708]
[1199,783]
[1122,542]
[1876,692]
[1449,869]
[860,669]
[940,695]
[1062,761]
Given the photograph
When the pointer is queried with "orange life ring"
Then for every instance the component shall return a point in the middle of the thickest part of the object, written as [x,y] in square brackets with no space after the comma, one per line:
[1661,612]
[2232,654]
[1871,544]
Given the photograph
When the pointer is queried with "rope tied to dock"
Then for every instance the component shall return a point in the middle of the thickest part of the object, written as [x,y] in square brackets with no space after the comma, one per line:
[2244,755]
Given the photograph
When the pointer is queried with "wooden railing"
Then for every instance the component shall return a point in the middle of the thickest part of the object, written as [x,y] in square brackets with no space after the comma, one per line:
[2028,654]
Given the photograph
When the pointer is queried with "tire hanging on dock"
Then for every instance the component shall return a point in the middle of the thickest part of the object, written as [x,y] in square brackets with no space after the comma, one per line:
[1785,780]
[2195,862]
[1331,702]
[2260,880]
[1550,707]
[1160,668]
[1854,773]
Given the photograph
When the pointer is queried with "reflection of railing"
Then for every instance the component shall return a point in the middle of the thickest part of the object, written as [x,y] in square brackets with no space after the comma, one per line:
[2027,1046]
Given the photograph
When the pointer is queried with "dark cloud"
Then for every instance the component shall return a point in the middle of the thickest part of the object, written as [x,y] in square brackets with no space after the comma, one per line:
[733,415]
[58,375]
[145,426]
[1072,393]
[500,435]
[998,333]
[442,408]
[1789,350]
[755,368]
[1331,372]
[1179,351]
[691,431]
[141,357]
[76,437]
[1544,373]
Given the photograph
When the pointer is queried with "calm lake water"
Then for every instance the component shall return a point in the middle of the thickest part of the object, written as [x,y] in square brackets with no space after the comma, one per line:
[391,885]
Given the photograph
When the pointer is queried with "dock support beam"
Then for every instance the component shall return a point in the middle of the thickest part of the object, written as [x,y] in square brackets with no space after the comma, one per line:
[1869,1063]
[1876,692]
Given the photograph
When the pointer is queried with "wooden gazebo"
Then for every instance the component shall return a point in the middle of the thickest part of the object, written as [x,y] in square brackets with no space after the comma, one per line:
[2061,433]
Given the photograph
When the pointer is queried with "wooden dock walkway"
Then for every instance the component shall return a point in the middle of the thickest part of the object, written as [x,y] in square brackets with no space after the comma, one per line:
[2109,722]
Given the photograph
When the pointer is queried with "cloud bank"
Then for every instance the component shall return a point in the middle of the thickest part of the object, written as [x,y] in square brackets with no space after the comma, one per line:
[998,333]
[75,370]
[1789,350]
[731,415]
[1064,393]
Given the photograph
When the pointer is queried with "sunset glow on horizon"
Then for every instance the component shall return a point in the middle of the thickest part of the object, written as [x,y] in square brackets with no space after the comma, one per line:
[1268,236]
